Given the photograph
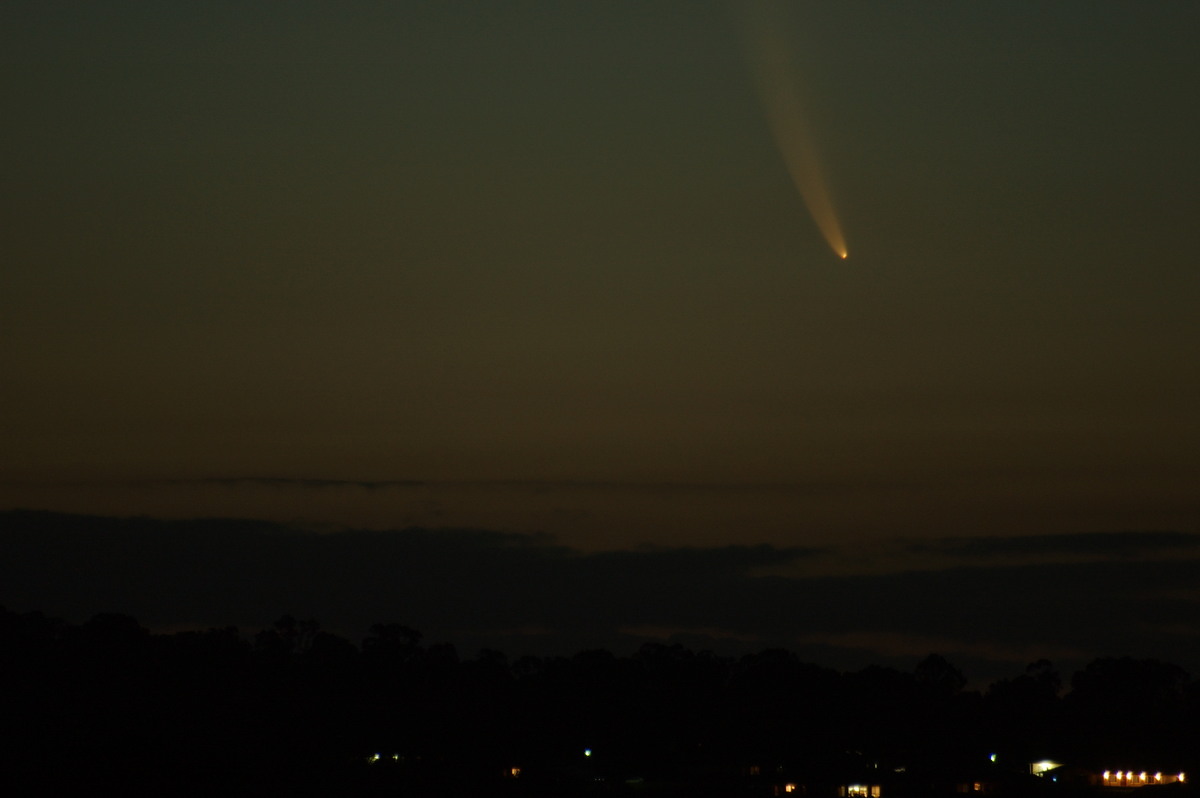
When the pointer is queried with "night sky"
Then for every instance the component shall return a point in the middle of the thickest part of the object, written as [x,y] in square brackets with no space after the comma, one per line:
[536,277]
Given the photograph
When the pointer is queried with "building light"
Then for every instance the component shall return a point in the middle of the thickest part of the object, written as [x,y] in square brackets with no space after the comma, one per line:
[789,787]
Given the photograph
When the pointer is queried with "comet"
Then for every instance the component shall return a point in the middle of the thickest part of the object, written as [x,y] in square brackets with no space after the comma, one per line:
[777,82]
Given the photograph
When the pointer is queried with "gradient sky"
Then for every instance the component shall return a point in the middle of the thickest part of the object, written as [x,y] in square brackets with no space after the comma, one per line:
[540,267]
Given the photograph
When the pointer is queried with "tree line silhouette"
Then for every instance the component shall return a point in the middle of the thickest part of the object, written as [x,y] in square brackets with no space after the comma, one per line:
[106,707]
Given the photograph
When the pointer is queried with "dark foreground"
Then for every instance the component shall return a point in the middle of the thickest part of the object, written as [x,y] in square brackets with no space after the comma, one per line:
[106,708]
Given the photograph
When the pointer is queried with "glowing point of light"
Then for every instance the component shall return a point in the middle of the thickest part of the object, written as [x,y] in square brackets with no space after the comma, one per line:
[587,752]
[991,757]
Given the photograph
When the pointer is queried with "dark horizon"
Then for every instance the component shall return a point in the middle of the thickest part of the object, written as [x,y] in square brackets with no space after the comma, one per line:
[295,710]
[1081,597]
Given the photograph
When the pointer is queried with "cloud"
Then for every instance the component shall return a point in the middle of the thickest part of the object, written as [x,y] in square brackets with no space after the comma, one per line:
[916,646]
[646,486]
[522,592]
[1089,544]
[248,572]
[295,483]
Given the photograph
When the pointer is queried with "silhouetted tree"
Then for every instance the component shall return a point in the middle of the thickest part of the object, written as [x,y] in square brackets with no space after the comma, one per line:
[938,677]
[1125,706]
[392,641]
[1022,714]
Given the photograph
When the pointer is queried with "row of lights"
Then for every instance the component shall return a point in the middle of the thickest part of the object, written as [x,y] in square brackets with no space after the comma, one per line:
[1122,775]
